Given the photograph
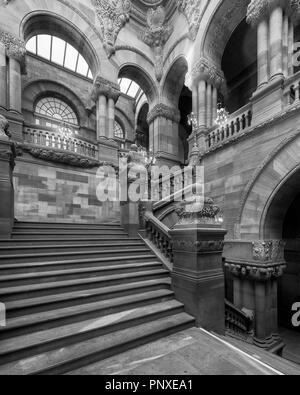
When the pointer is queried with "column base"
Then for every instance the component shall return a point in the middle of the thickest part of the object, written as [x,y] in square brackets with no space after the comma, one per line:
[273,344]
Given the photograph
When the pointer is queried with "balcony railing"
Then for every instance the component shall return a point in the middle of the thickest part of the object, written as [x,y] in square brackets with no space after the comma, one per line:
[52,140]
[238,122]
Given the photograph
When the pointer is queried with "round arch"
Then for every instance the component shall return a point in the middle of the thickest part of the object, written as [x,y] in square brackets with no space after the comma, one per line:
[142,78]
[273,180]
[174,81]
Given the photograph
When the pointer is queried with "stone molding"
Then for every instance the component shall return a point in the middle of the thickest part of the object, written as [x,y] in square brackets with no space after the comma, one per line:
[198,246]
[206,70]
[163,111]
[103,87]
[112,15]
[15,48]
[261,9]
[193,12]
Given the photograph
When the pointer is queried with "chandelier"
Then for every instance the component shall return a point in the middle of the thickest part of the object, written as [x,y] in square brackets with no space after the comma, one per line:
[222,116]
[148,156]
[65,131]
[193,121]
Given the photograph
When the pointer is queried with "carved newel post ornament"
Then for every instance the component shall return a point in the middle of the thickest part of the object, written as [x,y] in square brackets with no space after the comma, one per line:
[7,156]
[256,277]
[198,276]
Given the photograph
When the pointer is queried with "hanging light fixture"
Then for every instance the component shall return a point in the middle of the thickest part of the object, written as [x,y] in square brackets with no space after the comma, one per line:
[222,116]
[193,121]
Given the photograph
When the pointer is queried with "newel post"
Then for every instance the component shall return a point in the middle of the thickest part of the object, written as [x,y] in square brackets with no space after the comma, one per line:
[198,276]
[7,156]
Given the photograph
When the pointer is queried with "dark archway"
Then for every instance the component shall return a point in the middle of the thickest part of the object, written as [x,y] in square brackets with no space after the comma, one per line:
[142,128]
[239,64]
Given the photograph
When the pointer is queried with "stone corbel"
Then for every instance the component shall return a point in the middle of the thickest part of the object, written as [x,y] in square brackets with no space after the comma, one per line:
[112,15]
[204,69]
[15,48]
[161,110]
[157,34]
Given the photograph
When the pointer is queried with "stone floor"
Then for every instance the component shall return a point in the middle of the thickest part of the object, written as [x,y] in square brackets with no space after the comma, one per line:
[292,341]
[191,352]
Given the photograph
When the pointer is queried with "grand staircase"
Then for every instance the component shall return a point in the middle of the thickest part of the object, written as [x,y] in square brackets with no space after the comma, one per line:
[77,294]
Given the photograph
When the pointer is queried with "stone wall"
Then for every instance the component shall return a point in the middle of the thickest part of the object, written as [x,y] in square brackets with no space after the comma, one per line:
[46,192]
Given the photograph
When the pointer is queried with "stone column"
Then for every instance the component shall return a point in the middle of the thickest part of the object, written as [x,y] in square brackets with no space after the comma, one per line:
[290,49]
[164,133]
[263,53]
[198,277]
[7,155]
[214,105]
[285,53]
[209,105]
[276,42]
[202,104]
[256,267]
[3,77]
[105,94]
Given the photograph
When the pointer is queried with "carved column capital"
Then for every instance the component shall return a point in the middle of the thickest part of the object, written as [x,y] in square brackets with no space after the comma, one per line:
[205,70]
[4,125]
[161,110]
[261,9]
[103,87]
[112,15]
[15,48]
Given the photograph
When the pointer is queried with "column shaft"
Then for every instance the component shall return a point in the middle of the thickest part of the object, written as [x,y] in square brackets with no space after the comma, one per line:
[209,106]
[101,117]
[285,43]
[111,118]
[276,42]
[214,105]
[3,77]
[202,103]
[291,49]
[195,101]
[262,53]
[15,89]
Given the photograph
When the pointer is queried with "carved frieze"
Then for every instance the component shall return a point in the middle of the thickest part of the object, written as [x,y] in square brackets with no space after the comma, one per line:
[197,211]
[103,87]
[113,15]
[264,251]
[161,110]
[198,246]
[256,272]
[193,12]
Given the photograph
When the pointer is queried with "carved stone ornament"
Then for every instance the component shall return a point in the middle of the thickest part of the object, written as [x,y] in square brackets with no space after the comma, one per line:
[4,125]
[156,35]
[198,210]
[15,48]
[265,251]
[102,87]
[161,110]
[261,9]
[193,12]
[204,69]
[113,15]
[256,272]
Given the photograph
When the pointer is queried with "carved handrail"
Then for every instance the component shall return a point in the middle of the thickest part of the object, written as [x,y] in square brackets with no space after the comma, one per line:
[238,323]
[52,140]
[238,122]
[159,235]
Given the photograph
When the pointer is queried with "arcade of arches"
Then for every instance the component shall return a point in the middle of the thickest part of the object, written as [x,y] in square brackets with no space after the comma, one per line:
[79,90]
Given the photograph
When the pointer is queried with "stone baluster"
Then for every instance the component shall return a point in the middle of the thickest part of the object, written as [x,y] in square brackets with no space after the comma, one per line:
[164,133]
[105,94]
[256,267]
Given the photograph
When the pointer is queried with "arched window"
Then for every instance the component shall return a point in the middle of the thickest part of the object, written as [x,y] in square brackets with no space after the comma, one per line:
[60,52]
[119,132]
[52,112]
[132,89]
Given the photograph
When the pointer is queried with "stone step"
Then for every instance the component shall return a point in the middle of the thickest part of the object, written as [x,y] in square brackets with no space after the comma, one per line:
[53,256]
[39,304]
[39,267]
[45,320]
[68,235]
[90,351]
[67,232]
[29,345]
[54,225]
[15,280]
[64,240]
[38,290]
[46,249]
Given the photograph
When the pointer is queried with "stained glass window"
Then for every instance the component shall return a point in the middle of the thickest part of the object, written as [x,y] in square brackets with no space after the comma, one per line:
[60,52]
[119,132]
[56,110]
